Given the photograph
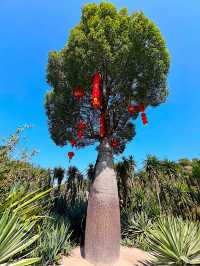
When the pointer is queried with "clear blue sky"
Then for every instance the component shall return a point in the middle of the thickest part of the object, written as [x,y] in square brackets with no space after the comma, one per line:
[30,29]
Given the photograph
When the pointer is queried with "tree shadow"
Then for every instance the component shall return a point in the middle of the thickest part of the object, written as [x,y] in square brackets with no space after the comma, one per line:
[82,251]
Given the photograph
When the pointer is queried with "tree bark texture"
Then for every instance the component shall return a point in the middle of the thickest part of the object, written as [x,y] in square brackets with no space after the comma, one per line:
[102,237]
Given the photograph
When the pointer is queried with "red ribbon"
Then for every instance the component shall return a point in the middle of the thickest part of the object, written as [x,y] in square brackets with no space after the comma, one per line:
[144,118]
[142,107]
[96,91]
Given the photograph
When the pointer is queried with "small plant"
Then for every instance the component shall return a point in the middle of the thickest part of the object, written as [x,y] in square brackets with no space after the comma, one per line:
[126,242]
[175,241]
[135,229]
[55,241]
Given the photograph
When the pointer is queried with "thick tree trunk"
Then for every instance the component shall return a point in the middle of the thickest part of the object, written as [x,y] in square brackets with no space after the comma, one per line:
[102,237]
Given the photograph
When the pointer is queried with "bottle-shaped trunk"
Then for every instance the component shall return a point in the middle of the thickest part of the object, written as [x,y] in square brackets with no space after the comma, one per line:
[102,237]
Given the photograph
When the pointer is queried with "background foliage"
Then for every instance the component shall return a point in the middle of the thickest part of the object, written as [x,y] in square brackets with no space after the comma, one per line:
[162,188]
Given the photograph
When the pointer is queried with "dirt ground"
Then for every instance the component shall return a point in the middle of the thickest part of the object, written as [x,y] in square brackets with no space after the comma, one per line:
[128,257]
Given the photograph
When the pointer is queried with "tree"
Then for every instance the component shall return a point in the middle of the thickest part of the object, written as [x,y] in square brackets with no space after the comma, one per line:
[58,174]
[125,172]
[152,167]
[15,171]
[130,55]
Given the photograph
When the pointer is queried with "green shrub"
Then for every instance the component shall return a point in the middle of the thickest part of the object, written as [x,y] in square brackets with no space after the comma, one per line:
[175,241]
[135,228]
[55,241]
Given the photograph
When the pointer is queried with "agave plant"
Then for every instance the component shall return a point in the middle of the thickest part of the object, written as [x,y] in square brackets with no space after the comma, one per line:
[135,229]
[175,241]
[17,223]
[55,242]
[15,238]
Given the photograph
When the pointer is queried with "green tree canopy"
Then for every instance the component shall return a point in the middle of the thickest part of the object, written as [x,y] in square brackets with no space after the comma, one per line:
[131,56]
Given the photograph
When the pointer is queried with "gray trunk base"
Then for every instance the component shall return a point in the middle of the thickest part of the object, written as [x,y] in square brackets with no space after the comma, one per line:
[102,237]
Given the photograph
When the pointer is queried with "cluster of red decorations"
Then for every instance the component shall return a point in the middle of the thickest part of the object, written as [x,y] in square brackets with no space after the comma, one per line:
[81,128]
[71,153]
[78,93]
[132,109]
[143,115]
[96,91]
[96,103]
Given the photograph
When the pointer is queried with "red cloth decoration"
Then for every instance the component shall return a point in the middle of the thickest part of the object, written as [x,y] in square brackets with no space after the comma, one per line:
[70,155]
[131,109]
[114,143]
[144,118]
[73,142]
[142,107]
[78,93]
[102,125]
[96,91]
[82,125]
[80,134]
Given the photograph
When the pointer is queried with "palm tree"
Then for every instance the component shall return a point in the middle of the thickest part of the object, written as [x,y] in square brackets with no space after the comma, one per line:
[125,170]
[170,169]
[58,174]
[153,168]
[75,185]
[90,172]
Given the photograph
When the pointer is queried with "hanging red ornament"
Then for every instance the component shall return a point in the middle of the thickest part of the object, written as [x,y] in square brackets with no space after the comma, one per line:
[96,91]
[80,134]
[142,107]
[131,109]
[114,143]
[73,142]
[144,118]
[78,93]
[70,155]
[102,125]
[82,125]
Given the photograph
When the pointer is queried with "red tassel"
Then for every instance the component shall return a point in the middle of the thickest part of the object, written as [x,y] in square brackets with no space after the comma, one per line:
[142,107]
[144,118]
[131,109]
[70,155]
[78,93]
[102,125]
[96,91]
[73,143]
